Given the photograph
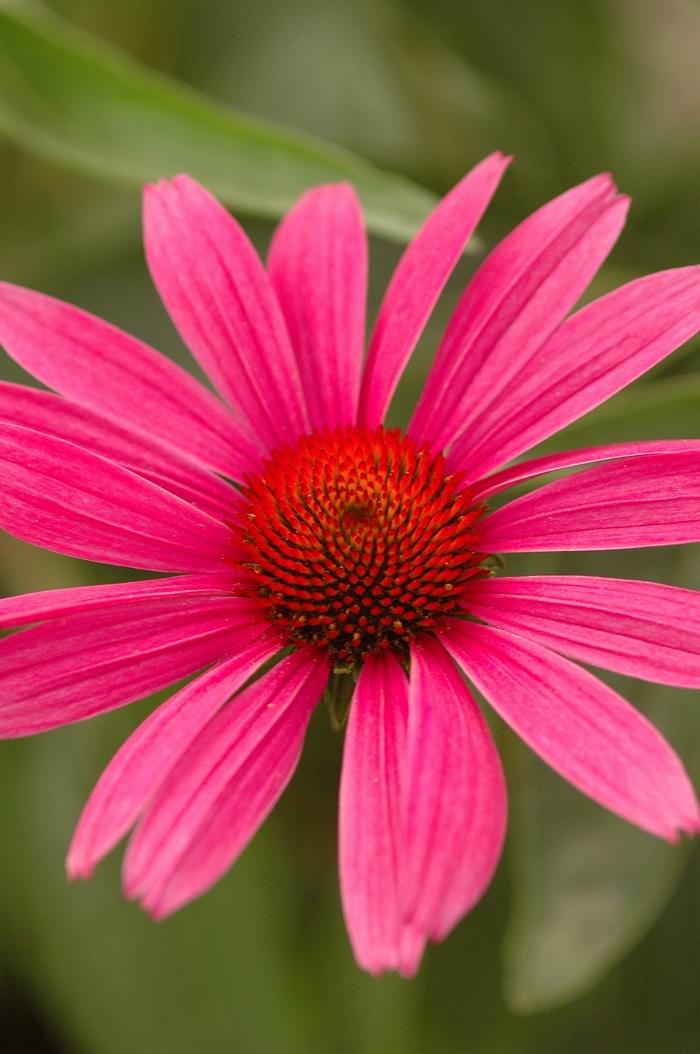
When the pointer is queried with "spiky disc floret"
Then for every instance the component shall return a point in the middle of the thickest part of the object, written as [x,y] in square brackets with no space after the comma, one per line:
[358,540]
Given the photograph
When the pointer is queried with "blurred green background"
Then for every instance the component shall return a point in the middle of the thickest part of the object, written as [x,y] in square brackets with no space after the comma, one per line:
[589,940]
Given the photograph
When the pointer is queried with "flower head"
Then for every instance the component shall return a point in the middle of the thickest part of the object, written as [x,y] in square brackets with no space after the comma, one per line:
[357,541]
[301,533]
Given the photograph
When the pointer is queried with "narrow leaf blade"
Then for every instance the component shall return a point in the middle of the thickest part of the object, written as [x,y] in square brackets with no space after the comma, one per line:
[78,102]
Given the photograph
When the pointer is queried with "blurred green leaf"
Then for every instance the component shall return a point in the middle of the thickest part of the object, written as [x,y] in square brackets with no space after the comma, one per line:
[74,100]
[572,89]
[587,885]
[261,963]
[664,409]
[210,979]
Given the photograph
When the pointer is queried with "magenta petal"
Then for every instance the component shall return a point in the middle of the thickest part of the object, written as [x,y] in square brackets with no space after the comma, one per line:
[72,501]
[591,356]
[318,267]
[455,800]
[222,788]
[642,629]
[55,603]
[99,366]
[515,301]
[220,298]
[653,499]
[371,830]
[72,668]
[142,763]
[44,412]
[508,477]
[587,732]
[418,281]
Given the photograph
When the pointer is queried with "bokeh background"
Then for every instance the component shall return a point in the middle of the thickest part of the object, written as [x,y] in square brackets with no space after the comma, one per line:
[589,940]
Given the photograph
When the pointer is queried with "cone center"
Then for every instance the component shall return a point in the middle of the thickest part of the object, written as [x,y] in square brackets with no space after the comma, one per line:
[357,540]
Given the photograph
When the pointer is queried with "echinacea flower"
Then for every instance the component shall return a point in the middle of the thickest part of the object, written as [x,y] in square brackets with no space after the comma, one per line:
[309,539]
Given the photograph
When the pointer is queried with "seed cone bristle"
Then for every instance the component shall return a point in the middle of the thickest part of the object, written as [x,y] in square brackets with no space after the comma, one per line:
[358,540]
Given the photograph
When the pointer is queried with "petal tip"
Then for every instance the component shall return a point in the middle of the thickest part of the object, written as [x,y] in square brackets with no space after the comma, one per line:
[692,825]
[622,202]
[501,159]
[77,868]
[132,886]
[412,947]
[342,193]
[604,179]
[171,187]
[155,912]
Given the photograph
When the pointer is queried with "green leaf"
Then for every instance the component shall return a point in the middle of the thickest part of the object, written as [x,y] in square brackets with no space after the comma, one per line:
[260,963]
[212,971]
[586,885]
[76,101]
[661,409]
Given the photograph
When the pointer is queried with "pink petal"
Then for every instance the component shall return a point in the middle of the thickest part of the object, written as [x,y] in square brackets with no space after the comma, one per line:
[591,356]
[371,829]
[64,498]
[639,628]
[514,302]
[652,499]
[223,787]
[418,281]
[166,466]
[140,766]
[587,732]
[54,603]
[220,298]
[99,366]
[455,801]
[318,267]
[508,477]
[80,665]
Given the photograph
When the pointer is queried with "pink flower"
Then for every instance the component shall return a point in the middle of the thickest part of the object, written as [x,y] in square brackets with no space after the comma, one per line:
[349,545]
